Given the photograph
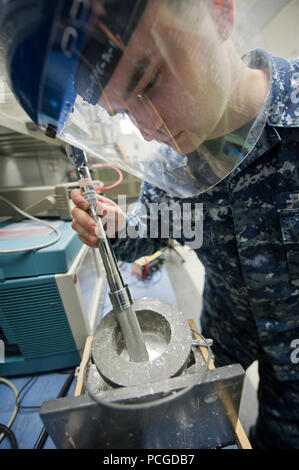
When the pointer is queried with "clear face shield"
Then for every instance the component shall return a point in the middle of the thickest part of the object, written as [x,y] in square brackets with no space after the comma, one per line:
[162,89]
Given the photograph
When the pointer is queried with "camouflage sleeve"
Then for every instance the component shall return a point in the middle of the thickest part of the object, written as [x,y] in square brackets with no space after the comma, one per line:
[138,237]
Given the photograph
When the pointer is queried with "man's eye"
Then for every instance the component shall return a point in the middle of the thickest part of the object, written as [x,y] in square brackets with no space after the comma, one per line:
[152,82]
[124,112]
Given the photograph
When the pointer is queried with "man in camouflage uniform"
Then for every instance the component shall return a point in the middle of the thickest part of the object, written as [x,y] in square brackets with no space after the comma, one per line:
[250,252]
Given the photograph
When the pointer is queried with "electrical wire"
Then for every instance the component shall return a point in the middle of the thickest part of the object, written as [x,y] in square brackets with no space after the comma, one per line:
[15,411]
[30,381]
[33,378]
[28,216]
[8,433]
[17,399]
[65,388]
[148,280]
[111,186]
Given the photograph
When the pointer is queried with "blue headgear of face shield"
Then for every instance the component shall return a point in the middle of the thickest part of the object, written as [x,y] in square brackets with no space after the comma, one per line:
[24,32]
[80,60]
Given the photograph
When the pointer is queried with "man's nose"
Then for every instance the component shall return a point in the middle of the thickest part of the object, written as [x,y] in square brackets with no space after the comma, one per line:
[146,117]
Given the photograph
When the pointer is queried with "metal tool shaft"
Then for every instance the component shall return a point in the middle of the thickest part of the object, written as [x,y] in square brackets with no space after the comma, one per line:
[119,293]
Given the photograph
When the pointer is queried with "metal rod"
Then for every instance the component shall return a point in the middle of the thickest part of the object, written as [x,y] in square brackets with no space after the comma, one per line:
[119,293]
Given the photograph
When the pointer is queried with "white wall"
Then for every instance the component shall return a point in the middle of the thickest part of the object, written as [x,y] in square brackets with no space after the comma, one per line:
[277,19]
[282,34]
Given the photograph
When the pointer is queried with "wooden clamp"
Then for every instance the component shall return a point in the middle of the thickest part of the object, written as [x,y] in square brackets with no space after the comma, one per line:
[241,436]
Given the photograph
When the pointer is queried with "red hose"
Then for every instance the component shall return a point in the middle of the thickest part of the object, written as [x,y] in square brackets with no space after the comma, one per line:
[111,186]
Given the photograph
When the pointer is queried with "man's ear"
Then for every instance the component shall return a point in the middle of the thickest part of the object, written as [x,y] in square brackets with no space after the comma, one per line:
[224,16]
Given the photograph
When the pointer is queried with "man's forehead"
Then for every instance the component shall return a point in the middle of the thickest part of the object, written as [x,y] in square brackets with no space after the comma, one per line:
[122,83]
[135,60]
[132,68]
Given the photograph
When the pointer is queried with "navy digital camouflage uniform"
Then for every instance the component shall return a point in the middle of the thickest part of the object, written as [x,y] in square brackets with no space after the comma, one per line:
[250,252]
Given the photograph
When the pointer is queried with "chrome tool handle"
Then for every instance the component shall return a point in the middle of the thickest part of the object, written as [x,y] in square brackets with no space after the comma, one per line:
[119,292]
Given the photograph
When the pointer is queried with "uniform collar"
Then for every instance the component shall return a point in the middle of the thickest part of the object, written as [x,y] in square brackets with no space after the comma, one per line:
[284,109]
[283,99]
[283,96]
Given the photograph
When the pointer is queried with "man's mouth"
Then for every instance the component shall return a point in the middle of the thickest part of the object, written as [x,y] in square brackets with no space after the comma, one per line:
[171,139]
